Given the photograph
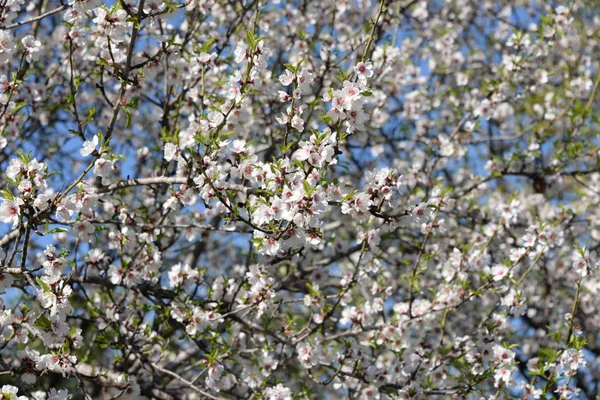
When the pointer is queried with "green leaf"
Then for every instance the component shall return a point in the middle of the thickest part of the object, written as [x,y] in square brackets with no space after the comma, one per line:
[7,194]
[18,106]
[91,113]
[128,120]
[57,230]
[102,341]
[43,284]
[43,323]
[206,46]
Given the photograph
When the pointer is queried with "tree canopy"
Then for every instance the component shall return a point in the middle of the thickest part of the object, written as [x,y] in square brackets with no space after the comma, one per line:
[303,199]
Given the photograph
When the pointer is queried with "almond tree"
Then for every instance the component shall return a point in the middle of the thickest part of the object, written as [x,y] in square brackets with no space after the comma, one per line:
[388,199]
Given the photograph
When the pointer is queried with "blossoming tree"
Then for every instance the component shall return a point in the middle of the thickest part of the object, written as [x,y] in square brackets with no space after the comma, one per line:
[243,199]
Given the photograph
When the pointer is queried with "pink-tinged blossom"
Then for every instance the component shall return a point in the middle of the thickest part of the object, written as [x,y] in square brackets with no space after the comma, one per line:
[286,78]
[15,167]
[10,211]
[297,123]
[503,376]
[572,360]
[584,262]
[517,254]
[170,150]
[84,230]
[278,392]
[484,109]
[116,273]
[364,70]
[32,48]
[89,147]
[179,274]
[268,244]
[103,167]
[358,205]
[500,272]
